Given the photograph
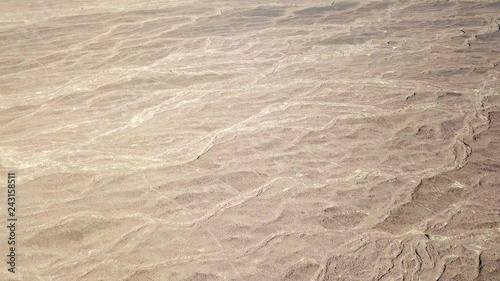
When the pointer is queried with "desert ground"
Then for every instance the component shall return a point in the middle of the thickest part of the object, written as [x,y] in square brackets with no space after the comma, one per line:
[251,140]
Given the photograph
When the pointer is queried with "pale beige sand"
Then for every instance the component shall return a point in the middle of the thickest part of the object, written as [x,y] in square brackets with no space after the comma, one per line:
[252,140]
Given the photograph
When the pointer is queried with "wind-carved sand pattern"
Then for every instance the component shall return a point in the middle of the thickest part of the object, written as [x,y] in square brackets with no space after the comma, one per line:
[252,140]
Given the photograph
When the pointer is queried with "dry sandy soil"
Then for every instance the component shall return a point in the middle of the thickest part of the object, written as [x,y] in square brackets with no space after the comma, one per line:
[251,140]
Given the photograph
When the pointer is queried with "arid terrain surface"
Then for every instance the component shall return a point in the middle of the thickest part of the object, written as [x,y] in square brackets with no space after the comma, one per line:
[251,140]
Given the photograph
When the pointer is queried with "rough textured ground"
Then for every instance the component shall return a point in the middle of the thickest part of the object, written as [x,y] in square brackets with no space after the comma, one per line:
[252,140]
